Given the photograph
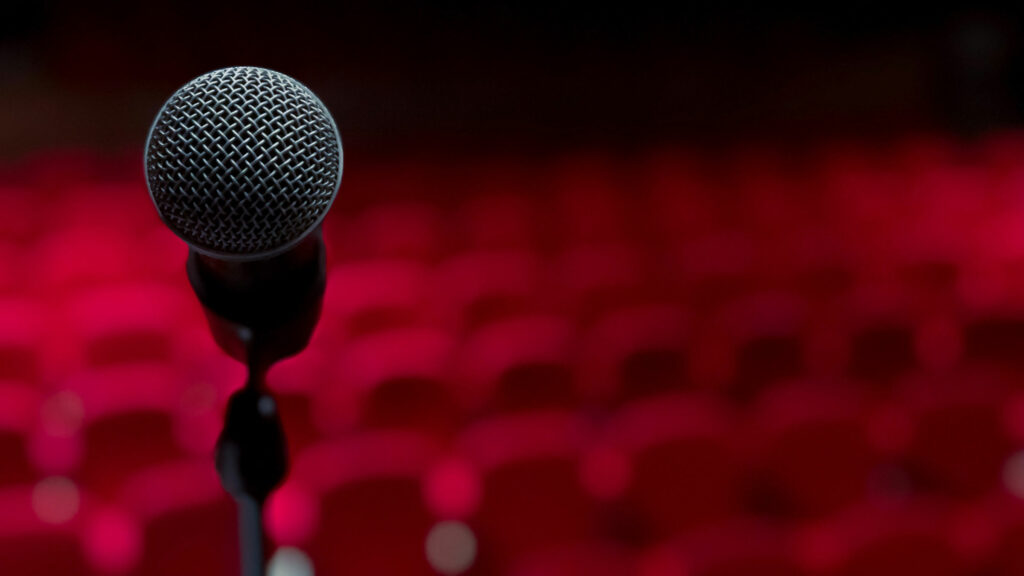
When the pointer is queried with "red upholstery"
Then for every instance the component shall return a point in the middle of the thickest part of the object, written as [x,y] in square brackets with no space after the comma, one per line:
[372,516]
[519,364]
[738,547]
[399,379]
[883,540]
[189,523]
[684,462]
[960,439]
[532,495]
[812,444]
[589,559]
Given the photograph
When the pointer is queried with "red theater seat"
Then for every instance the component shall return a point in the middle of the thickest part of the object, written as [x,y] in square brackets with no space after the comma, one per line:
[991,531]
[19,413]
[814,263]
[499,221]
[473,288]
[714,268]
[960,439]
[950,206]
[684,462]
[738,547]
[189,523]
[864,204]
[129,322]
[885,540]
[768,331]
[593,279]
[296,384]
[532,493]
[13,278]
[123,205]
[634,352]
[395,379]
[405,230]
[130,422]
[810,441]
[993,332]
[101,255]
[373,295]
[882,334]
[19,214]
[23,331]
[372,515]
[770,200]
[519,364]
[591,559]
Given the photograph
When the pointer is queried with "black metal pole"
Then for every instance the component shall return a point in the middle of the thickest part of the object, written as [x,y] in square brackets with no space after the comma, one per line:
[251,537]
[252,461]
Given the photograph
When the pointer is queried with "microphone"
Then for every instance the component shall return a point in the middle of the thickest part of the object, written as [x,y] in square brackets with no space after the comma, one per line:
[243,164]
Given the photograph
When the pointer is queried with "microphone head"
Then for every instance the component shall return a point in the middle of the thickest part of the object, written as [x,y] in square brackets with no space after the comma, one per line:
[242,163]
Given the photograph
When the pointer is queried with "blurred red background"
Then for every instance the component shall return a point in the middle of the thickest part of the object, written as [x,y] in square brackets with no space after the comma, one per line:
[612,291]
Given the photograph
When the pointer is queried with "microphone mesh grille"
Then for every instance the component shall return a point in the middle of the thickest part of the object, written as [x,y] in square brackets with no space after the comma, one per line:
[243,162]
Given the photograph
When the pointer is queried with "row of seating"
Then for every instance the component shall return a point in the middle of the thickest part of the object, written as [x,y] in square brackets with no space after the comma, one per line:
[803,449]
[861,208]
[960,248]
[370,515]
[875,336]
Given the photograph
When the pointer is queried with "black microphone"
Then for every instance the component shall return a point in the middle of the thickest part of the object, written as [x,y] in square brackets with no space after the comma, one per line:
[243,164]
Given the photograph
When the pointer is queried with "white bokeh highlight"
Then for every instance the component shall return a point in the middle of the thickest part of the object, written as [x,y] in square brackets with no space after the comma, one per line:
[451,547]
[289,561]
[55,500]
[1013,474]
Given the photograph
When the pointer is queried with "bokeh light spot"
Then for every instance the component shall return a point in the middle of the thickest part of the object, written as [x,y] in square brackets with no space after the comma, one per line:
[62,414]
[288,561]
[451,547]
[1013,474]
[55,500]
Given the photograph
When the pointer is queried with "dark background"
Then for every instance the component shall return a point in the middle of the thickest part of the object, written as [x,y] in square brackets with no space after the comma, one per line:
[403,76]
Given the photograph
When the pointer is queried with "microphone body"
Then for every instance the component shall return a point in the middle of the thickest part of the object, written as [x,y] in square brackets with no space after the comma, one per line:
[262,311]
[243,164]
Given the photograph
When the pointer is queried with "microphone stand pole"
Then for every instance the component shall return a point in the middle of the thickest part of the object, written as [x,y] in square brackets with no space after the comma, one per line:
[258,313]
[252,461]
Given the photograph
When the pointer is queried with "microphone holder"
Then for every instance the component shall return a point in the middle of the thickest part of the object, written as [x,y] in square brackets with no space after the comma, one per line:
[259,313]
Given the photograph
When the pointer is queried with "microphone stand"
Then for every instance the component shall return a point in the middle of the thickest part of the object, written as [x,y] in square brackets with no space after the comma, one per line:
[259,313]
[252,461]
